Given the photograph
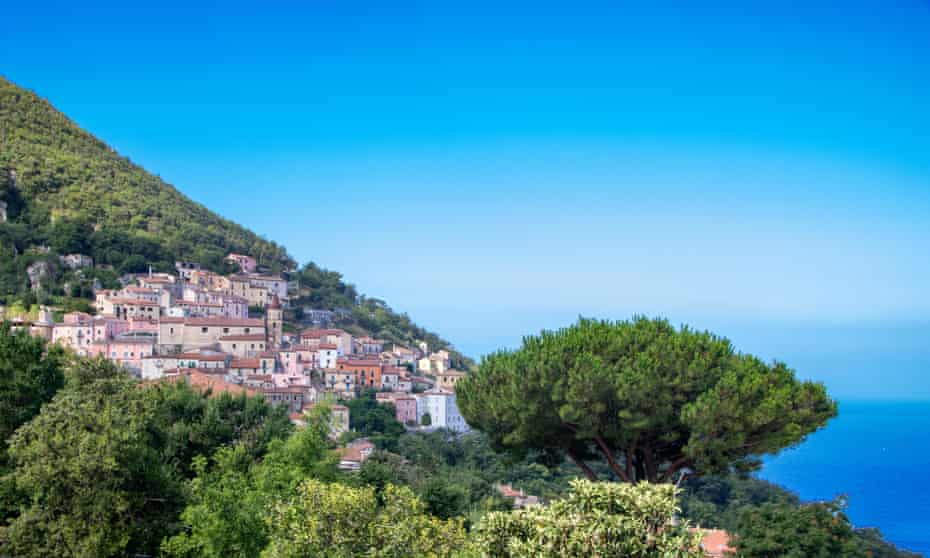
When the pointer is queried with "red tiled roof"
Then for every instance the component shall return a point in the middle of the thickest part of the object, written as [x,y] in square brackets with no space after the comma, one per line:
[199,356]
[249,337]
[135,301]
[359,362]
[715,543]
[209,382]
[245,363]
[327,347]
[207,304]
[218,321]
[320,332]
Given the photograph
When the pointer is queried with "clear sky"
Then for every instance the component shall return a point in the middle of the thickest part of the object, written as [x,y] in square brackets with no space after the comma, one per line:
[757,168]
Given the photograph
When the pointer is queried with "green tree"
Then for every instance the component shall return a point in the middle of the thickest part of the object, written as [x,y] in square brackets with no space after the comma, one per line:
[655,402]
[30,375]
[341,521]
[232,493]
[376,421]
[596,519]
[96,485]
[191,422]
[819,530]
[31,372]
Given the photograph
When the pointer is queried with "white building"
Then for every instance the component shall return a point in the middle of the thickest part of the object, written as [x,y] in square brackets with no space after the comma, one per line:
[327,355]
[442,409]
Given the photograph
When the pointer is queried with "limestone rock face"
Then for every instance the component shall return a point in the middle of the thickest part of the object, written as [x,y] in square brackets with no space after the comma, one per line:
[37,273]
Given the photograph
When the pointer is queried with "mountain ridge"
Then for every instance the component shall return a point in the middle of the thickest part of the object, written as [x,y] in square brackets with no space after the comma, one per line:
[68,191]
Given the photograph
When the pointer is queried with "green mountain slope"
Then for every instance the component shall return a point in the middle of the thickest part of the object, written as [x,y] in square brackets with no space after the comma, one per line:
[52,173]
[68,192]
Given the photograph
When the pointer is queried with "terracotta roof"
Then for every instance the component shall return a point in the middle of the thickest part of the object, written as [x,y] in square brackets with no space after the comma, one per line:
[218,321]
[148,340]
[715,543]
[283,390]
[293,348]
[507,491]
[156,279]
[198,356]
[136,301]
[189,303]
[249,337]
[327,347]
[320,332]
[354,451]
[210,382]
[170,320]
[358,362]
[245,363]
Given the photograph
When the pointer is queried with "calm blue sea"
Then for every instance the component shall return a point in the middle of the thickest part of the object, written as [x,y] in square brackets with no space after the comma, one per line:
[878,454]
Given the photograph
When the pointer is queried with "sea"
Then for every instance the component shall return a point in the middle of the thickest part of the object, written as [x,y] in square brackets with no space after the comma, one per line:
[877,453]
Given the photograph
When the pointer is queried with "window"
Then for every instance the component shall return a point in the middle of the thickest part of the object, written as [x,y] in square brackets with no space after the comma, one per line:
[225,330]
[247,330]
[171,330]
[203,330]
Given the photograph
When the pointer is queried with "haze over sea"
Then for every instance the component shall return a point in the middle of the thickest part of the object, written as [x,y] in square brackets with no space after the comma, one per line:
[759,169]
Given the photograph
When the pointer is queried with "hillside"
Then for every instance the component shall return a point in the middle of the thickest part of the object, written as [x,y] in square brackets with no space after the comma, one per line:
[68,192]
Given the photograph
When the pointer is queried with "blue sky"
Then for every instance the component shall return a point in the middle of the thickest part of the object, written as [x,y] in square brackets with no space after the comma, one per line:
[760,169]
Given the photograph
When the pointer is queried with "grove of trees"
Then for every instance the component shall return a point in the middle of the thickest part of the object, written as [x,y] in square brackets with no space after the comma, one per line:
[654,402]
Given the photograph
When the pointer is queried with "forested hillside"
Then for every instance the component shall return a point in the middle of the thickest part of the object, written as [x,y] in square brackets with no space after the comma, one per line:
[68,192]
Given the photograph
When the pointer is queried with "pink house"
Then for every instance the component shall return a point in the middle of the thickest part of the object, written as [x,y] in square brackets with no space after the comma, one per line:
[128,351]
[298,359]
[246,263]
[79,330]
[404,405]
[235,306]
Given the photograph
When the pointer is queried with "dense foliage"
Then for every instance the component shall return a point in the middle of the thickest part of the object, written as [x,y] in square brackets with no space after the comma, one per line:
[655,402]
[111,467]
[100,470]
[819,530]
[30,375]
[595,519]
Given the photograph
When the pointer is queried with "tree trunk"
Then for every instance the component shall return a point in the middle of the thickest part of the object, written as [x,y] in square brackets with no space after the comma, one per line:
[583,466]
[652,472]
[610,458]
[676,465]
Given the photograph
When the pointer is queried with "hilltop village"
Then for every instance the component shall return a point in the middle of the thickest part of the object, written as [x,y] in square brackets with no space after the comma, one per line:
[227,333]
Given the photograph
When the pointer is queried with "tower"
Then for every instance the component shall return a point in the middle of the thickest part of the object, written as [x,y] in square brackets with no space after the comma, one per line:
[274,317]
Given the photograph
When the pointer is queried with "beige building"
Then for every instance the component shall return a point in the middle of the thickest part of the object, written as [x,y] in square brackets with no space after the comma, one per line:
[193,333]
[243,346]
[448,379]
